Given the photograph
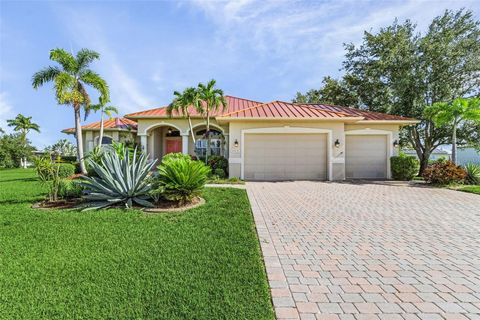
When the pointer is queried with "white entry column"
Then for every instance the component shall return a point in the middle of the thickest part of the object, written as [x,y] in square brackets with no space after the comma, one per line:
[185,143]
[143,143]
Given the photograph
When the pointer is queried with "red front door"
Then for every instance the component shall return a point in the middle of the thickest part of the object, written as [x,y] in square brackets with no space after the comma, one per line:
[173,146]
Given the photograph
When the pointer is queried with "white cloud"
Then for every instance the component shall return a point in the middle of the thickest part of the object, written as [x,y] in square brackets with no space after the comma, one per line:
[293,34]
[125,90]
[6,111]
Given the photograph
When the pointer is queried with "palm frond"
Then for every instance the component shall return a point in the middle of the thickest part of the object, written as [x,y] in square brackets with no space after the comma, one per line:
[65,59]
[45,75]
[85,57]
[93,79]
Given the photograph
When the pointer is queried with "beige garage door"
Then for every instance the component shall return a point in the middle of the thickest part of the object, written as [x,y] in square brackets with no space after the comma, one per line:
[366,157]
[285,157]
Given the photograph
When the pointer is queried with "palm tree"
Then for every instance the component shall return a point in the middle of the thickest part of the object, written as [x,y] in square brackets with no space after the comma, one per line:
[23,125]
[454,114]
[182,102]
[211,100]
[69,82]
[104,110]
[62,147]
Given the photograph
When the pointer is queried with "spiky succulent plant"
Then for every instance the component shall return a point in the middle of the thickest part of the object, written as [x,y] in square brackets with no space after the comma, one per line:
[122,179]
[473,173]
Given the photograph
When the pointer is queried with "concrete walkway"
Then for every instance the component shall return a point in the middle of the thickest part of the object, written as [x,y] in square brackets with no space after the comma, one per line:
[369,250]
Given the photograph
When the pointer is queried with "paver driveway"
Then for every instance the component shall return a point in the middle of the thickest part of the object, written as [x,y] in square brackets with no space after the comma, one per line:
[369,251]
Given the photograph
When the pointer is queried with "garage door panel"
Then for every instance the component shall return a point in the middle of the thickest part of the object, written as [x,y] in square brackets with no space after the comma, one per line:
[366,157]
[285,156]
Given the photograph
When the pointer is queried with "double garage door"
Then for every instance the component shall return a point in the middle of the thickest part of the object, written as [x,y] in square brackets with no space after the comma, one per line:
[285,157]
[304,157]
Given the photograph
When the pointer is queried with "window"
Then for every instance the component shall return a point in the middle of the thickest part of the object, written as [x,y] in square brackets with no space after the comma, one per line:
[216,142]
[106,140]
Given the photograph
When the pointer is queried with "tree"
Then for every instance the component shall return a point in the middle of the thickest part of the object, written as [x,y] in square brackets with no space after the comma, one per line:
[453,115]
[104,110]
[70,81]
[400,71]
[210,99]
[14,150]
[62,147]
[332,91]
[23,125]
[181,104]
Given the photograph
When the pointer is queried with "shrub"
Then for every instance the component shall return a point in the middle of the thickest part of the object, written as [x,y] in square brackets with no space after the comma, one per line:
[65,170]
[444,172]
[71,159]
[218,162]
[48,172]
[120,180]
[69,189]
[181,179]
[404,167]
[176,156]
[473,173]
[219,173]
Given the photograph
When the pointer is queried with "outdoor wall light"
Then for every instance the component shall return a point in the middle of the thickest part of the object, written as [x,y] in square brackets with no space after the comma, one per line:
[395,143]
[235,143]
[337,143]
[169,130]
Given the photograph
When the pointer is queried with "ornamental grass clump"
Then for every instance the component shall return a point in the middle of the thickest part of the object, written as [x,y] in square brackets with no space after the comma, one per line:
[180,178]
[121,179]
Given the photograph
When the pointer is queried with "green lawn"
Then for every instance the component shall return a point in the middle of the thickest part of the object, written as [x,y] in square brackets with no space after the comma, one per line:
[471,189]
[115,264]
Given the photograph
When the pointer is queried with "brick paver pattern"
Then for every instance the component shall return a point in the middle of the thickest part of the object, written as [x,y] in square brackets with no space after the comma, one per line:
[369,251]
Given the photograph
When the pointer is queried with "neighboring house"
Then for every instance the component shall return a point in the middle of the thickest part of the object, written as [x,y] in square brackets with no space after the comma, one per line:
[436,154]
[280,140]
[114,129]
[468,155]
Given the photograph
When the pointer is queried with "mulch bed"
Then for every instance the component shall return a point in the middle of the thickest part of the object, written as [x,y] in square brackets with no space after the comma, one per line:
[60,204]
[171,206]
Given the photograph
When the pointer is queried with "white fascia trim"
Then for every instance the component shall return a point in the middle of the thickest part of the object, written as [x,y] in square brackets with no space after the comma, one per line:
[376,132]
[404,122]
[288,130]
[290,119]
[160,124]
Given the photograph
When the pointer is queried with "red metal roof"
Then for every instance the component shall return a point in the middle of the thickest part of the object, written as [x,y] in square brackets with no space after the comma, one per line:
[233,104]
[113,123]
[281,109]
[368,115]
[244,108]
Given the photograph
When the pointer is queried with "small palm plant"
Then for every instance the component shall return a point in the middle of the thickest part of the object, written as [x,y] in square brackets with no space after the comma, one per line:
[181,179]
[121,180]
[473,173]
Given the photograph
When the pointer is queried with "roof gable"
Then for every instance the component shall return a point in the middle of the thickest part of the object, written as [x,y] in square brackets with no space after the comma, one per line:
[113,123]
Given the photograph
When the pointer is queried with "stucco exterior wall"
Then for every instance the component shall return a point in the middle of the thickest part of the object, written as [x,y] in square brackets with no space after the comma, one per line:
[337,130]
[90,137]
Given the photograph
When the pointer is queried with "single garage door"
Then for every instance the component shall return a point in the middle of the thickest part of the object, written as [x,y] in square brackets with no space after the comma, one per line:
[366,157]
[285,157]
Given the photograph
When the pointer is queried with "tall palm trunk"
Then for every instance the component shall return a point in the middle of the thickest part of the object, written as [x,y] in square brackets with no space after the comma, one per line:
[100,139]
[191,129]
[208,139]
[79,138]
[454,143]
[23,160]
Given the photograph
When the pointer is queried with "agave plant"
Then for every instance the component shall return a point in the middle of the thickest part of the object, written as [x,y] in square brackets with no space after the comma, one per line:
[473,173]
[121,179]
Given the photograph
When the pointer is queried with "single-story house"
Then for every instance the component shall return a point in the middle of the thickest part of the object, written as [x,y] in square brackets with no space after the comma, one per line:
[436,154]
[275,140]
[114,129]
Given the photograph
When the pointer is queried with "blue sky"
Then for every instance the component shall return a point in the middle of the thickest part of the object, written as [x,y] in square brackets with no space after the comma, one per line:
[260,50]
